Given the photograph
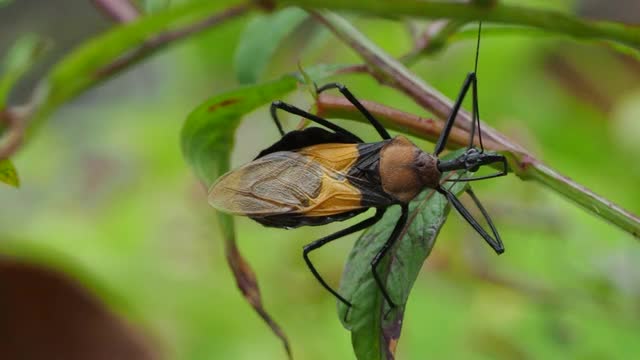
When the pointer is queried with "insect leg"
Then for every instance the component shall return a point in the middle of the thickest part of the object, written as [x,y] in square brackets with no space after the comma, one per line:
[307,115]
[397,230]
[319,243]
[352,99]
[274,116]
[444,135]
[495,242]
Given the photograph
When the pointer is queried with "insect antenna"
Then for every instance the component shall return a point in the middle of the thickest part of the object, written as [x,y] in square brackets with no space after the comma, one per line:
[475,120]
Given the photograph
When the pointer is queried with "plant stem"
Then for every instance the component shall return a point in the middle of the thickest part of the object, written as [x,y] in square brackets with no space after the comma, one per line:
[391,72]
[161,41]
[121,11]
[497,13]
[81,69]
[331,106]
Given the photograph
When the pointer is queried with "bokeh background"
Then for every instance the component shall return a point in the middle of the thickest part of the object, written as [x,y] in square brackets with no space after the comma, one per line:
[107,198]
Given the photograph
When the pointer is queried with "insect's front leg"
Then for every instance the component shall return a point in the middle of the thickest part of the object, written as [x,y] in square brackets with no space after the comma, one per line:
[353,100]
[307,115]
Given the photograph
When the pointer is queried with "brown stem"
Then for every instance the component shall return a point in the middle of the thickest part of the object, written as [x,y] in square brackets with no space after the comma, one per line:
[14,133]
[122,11]
[427,128]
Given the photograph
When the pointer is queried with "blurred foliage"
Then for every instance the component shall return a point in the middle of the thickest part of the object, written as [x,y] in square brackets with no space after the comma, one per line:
[260,41]
[17,62]
[8,173]
[105,185]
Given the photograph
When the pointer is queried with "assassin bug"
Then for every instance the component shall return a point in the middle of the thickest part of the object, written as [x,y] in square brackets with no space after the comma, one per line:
[317,176]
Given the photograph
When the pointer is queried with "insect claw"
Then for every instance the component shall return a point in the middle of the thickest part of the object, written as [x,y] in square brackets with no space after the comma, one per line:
[346,313]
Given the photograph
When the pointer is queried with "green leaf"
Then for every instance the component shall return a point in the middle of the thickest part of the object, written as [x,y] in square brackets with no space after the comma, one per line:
[82,67]
[24,52]
[375,329]
[8,173]
[260,41]
[207,135]
[207,140]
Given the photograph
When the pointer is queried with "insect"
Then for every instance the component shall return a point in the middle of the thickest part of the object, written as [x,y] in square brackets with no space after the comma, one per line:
[316,176]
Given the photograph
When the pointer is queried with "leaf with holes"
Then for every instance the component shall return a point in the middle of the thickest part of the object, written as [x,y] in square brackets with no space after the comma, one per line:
[375,329]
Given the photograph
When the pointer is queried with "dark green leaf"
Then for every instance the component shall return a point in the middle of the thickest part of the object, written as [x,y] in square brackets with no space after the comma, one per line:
[260,41]
[8,173]
[374,329]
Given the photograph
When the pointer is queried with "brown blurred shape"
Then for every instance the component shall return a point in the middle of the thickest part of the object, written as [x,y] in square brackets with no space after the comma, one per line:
[46,315]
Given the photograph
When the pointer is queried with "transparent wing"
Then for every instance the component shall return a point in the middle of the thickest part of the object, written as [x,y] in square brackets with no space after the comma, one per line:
[305,182]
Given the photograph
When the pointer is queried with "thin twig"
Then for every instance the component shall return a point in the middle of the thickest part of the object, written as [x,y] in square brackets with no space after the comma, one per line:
[122,11]
[498,13]
[20,119]
[169,37]
[13,133]
[338,107]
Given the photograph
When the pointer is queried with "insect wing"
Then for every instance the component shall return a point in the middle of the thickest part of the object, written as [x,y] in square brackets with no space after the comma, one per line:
[284,183]
[275,184]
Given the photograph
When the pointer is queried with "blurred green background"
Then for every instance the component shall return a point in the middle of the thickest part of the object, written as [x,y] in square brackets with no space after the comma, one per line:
[107,197]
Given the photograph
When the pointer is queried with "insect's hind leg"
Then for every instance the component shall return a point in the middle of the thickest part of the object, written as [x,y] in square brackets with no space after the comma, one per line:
[397,230]
[353,100]
[307,115]
[319,243]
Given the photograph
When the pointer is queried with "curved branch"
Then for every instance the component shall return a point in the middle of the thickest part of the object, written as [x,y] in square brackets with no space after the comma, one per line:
[331,106]
[12,135]
[391,72]
[161,41]
[118,10]
[499,13]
